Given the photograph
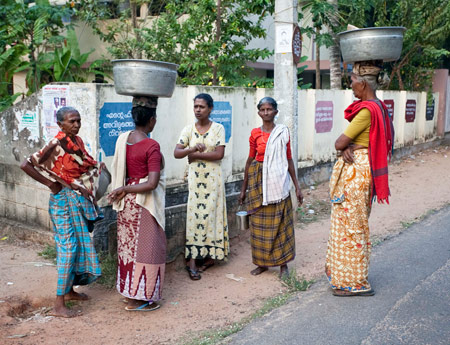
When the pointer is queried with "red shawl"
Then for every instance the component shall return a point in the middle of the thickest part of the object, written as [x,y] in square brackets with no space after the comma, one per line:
[381,138]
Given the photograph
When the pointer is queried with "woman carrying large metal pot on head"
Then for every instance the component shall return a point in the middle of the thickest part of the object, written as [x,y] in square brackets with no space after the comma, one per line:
[359,176]
[139,198]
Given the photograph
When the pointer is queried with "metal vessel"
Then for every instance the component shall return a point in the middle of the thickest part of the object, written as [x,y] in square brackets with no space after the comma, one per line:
[383,43]
[144,77]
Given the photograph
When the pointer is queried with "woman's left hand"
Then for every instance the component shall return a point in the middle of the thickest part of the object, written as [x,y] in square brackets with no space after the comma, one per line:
[117,194]
[299,195]
[193,157]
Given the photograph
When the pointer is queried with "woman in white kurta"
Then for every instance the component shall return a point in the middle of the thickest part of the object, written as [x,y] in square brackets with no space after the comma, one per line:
[206,223]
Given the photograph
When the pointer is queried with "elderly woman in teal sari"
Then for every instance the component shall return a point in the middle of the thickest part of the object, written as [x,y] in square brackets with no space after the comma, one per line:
[71,174]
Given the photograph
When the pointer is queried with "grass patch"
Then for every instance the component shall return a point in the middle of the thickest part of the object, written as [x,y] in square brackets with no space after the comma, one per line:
[108,265]
[408,223]
[294,284]
[49,253]
[215,336]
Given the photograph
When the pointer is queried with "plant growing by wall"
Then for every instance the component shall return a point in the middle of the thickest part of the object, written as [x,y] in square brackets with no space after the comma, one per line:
[208,39]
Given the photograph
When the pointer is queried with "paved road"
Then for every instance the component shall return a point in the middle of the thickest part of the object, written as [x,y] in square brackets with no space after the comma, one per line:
[411,276]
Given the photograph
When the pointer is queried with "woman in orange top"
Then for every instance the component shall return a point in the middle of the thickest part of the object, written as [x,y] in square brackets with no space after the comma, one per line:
[268,173]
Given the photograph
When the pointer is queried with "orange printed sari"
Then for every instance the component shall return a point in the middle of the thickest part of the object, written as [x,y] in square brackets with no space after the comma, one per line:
[349,246]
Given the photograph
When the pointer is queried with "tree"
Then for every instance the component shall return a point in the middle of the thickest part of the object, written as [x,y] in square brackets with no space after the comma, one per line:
[335,52]
[208,40]
[30,26]
[321,12]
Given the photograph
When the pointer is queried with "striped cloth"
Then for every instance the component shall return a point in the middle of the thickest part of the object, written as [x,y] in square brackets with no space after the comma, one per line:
[77,262]
[271,227]
[276,180]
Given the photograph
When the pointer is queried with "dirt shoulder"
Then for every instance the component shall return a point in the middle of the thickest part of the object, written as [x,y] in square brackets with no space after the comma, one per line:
[419,183]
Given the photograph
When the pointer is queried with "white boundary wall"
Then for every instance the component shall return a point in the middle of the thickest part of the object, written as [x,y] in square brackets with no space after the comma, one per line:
[24,200]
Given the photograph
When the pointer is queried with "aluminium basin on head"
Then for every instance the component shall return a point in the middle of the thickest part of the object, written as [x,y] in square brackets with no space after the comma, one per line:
[382,43]
[134,77]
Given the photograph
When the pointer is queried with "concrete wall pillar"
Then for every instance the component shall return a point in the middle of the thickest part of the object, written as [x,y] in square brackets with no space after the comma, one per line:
[440,85]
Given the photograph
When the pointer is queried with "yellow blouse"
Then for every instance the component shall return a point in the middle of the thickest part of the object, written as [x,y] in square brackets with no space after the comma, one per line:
[359,128]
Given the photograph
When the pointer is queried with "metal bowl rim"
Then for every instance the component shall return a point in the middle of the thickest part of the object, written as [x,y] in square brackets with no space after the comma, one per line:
[142,60]
[373,29]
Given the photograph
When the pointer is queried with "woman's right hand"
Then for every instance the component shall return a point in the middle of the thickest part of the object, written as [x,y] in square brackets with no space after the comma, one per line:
[242,197]
[117,194]
[55,187]
[200,147]
[347,154]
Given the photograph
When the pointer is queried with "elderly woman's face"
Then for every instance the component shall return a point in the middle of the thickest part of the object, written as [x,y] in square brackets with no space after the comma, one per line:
[357,86]
[71,124]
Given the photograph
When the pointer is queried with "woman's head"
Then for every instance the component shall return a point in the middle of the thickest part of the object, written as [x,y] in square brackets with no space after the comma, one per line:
[69,120]
[268,100]
[203,105]
[367,77]
[143,116]
[267,109]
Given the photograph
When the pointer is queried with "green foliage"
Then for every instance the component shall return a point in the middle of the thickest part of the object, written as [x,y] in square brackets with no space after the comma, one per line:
[49,253]
[321,13]
[292,282]
[207,41]
[65,62]
[300,70]
[108,265]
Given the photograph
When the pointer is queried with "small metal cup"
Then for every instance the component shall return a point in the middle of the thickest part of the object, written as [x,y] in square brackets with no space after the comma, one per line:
[242,220]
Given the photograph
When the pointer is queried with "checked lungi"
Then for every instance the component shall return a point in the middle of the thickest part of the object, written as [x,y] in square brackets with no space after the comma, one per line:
[77,262]
[271,227]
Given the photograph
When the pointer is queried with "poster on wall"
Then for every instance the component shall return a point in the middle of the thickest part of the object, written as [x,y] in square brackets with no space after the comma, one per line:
[29,121]
[410,112]
[283,40]
[222,113]
[115,119]
[53,98]
[429,114]
[324,116]
[390,107]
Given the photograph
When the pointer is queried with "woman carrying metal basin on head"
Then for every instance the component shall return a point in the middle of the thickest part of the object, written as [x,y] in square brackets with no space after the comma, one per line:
[138,183]
[139,198]
[359,176]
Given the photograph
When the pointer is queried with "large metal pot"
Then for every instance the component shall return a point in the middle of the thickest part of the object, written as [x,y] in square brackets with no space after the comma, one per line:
[383,43]
[144,77]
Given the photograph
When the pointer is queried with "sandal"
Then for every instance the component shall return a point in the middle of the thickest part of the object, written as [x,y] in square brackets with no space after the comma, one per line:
[345,293]
[144,307]
[193,274]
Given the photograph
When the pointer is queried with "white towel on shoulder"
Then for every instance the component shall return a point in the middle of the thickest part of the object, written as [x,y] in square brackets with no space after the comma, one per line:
[276,180]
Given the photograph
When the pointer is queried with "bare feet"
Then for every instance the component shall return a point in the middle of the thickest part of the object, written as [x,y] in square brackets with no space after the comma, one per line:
[60,309]
[75,296]
[284,271]
[64,312]
[258,270]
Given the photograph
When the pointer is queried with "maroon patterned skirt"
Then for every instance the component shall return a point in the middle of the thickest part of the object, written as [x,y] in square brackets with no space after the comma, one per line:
[141,247]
